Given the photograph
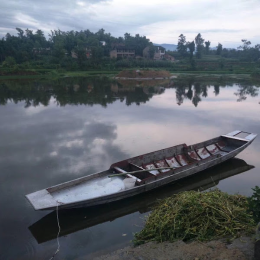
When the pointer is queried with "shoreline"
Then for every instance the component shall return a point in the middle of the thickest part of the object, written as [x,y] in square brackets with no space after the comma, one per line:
[112,74]
[240,249]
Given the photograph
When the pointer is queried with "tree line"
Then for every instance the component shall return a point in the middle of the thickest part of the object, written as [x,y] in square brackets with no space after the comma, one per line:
[29,46]
[31,49]
[200,47]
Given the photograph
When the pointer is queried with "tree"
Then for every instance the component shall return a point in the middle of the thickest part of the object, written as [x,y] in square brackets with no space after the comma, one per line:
[191,46]
[81,55]
[20,32]
[199,43]
[58,50]
[97,54]
[257,47]
[182,46]
[245,46]
[207,47]
[248,53]
[9,62]
[219,49]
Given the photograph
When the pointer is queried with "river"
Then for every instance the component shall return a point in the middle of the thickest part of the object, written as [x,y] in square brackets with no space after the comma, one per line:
[55,131]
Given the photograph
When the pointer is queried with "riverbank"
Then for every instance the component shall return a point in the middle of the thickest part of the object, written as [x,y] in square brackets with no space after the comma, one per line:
[133,73]
[240,249]
[49,74]
[194,225]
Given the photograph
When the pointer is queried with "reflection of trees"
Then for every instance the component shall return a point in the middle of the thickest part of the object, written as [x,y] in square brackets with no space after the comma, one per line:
[216,89]
[197,92]
[92,91]
[81,91]
[244,90]
[22,91]
[190,92]
[137,96]
[204,90]
[180,94]
[194,94]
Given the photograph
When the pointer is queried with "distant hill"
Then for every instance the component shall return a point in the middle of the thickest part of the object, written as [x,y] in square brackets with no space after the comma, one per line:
[167,46]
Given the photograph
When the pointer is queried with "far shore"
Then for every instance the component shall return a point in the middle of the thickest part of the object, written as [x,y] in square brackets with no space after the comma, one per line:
[114,74]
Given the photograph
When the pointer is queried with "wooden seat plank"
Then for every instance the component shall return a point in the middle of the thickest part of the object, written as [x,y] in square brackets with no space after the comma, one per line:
[161,164]
[182,159]
[194,155]
[203,153]
[172,162]
[151,166]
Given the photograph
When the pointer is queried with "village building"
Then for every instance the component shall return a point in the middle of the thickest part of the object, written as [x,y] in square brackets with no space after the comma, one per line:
[159,52]
[122,52]
[88,54]
[169,57]
[41,50]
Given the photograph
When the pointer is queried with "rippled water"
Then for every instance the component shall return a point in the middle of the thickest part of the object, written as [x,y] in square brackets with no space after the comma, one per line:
[55,131]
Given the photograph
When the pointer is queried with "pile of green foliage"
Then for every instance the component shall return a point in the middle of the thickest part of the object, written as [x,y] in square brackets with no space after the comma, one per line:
[254,204]
[199,216]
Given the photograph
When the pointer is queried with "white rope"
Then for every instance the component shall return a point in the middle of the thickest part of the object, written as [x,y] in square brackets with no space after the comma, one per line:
[58,249]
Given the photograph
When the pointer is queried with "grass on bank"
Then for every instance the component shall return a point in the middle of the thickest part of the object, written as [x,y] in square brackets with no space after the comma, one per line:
[199,216]
[53,73]
[60,73]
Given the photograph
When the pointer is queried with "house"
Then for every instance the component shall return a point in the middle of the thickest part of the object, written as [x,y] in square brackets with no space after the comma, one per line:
[159,52]
[41,50]
[169,57]
[122,52]
[88,54]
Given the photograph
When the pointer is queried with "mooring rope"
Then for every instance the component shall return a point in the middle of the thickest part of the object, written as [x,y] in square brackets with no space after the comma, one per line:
[58,222]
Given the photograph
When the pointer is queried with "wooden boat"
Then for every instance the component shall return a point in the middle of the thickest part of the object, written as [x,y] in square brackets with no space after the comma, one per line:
[73,220]
[142,173]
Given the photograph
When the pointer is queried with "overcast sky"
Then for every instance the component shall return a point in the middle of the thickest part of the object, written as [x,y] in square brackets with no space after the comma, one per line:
[162,21]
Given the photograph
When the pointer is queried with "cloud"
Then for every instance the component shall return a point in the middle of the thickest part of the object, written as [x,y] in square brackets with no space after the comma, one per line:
[161,21]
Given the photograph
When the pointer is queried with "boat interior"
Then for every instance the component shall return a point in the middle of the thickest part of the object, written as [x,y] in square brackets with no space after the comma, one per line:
[175,158]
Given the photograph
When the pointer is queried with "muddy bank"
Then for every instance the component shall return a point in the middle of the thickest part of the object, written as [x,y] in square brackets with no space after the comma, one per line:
[144,74]
[240,249]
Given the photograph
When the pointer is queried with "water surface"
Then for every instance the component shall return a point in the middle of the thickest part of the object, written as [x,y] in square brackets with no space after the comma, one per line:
[55,131]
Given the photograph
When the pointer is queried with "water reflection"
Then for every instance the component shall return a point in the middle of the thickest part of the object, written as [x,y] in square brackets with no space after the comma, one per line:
[77,219]
[244,91]
[104,91]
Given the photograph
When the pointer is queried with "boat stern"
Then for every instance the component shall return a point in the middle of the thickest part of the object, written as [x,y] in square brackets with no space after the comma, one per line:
[41,200]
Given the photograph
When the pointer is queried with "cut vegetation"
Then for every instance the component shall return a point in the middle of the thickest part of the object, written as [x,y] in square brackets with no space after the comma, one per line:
[199,216]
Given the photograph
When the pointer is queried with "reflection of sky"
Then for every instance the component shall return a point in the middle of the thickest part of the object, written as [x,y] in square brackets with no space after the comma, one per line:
[42,146]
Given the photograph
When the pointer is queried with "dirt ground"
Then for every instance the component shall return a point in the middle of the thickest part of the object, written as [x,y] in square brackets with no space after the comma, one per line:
[144,74]
[240,249]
